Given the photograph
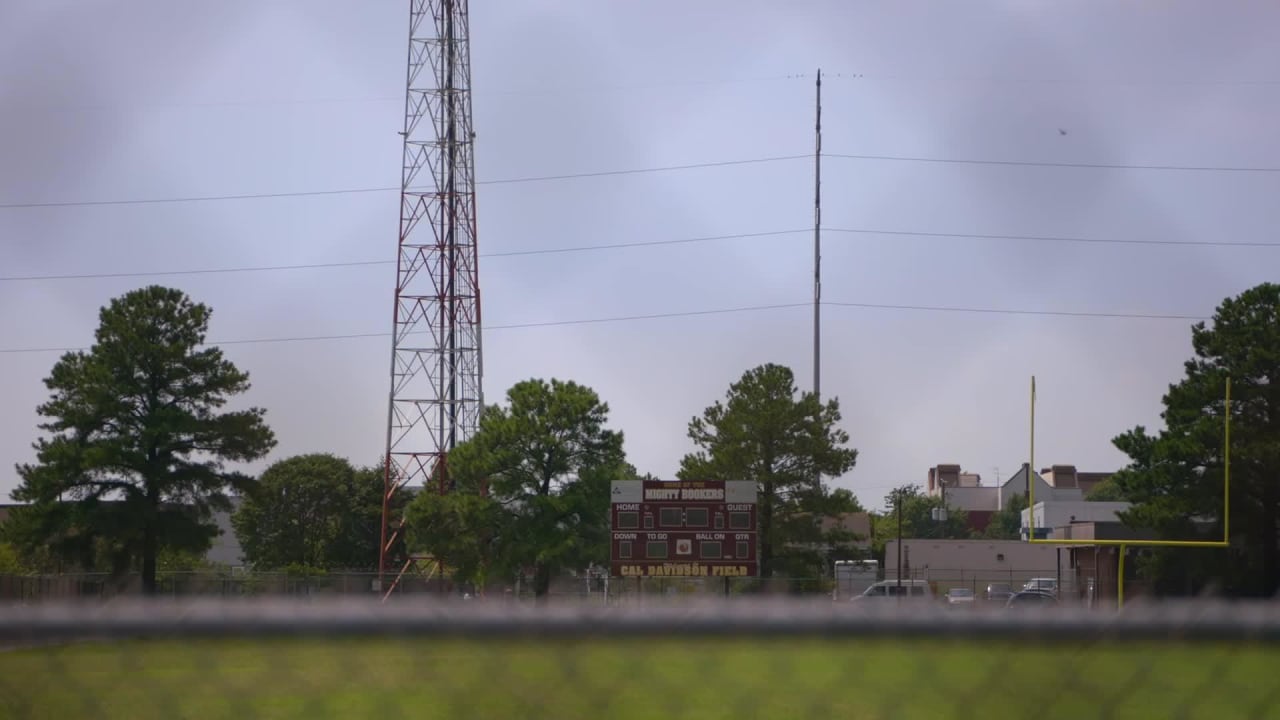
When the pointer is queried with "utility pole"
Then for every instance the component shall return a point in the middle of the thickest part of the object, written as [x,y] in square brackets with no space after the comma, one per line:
[897,501]
[817,240]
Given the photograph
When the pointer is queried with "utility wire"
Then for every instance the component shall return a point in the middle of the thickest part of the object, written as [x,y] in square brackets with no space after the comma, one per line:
[399,97]
[352,191]
[1010,80]
[593,89]
[1030,163]
[1014,311]
[193,198]
[200,271]
[1053,238]
[636,171]
[625,87]
[357,263]
[645,243]
[688,313]
[656,243]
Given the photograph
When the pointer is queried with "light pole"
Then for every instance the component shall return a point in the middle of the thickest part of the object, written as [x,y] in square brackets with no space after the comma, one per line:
[939,513]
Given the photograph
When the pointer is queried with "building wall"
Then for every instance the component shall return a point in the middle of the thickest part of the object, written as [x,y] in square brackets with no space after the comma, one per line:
[1060,513]
[1066,476]
[964,490]
[973,563]
[978,520]
[972,498]
[950,476]
[1017,485]
[1098,565]
[226,546]
[858,523]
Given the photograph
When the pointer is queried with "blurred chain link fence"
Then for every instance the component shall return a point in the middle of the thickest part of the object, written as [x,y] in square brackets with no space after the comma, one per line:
[418,656]
[593,585]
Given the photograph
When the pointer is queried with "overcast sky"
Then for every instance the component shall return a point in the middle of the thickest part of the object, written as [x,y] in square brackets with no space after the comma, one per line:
[152,100]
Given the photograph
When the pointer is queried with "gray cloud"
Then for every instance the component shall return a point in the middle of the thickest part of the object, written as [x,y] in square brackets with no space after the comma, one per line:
[159,101]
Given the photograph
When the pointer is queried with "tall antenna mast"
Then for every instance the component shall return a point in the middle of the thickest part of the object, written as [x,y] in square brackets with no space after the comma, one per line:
[435,397]
[817,241]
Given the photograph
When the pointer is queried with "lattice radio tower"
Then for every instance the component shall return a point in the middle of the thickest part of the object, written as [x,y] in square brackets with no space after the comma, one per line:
[435,349]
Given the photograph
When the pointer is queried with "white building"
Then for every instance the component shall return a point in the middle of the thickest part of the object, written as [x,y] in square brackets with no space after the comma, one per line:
[965,491]
[1055,515]
[975,563]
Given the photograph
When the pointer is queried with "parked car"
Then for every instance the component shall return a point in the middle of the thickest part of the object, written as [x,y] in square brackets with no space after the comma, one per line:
[1046,584]
[895,590]
[999,592]
[1032,598]
[959,596]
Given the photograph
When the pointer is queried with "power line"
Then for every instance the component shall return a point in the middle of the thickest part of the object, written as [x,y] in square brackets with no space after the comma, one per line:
[352,191]
[200,271]
[655,243]
[1053,238]
[653,316]
[664,168]
[1014,311]
[1030,163]
[644,243]
[1095,81]
[356,263]
[689,313]
[587,89]
[551,323]
[193,198]
[593,89]
[637,171]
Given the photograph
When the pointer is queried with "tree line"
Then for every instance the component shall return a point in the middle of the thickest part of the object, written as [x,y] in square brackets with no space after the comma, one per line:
[133,464]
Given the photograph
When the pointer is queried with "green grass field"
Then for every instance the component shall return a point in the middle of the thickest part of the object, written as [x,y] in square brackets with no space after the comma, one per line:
[636,678]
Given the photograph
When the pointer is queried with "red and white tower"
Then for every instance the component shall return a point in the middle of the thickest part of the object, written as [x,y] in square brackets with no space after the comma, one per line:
[435,350]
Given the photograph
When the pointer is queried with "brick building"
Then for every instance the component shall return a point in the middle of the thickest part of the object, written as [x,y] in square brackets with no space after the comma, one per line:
[965,491]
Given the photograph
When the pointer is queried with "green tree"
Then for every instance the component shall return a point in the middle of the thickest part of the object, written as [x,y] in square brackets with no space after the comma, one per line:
[466,531]
[1006,524]
[1106,491]
[11,562]
[314,510]
[13,532]
[1175,477]
[814,538]
[917,518]
[764,433]
[539,472]
[136,459]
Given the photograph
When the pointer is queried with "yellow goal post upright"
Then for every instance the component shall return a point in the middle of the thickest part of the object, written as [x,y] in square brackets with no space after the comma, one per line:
[1125,544]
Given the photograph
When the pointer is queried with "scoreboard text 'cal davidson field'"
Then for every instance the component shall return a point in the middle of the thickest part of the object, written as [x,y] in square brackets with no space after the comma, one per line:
[683,529]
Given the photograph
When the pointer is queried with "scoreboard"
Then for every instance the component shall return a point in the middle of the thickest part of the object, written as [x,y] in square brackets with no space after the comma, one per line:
[683,529]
